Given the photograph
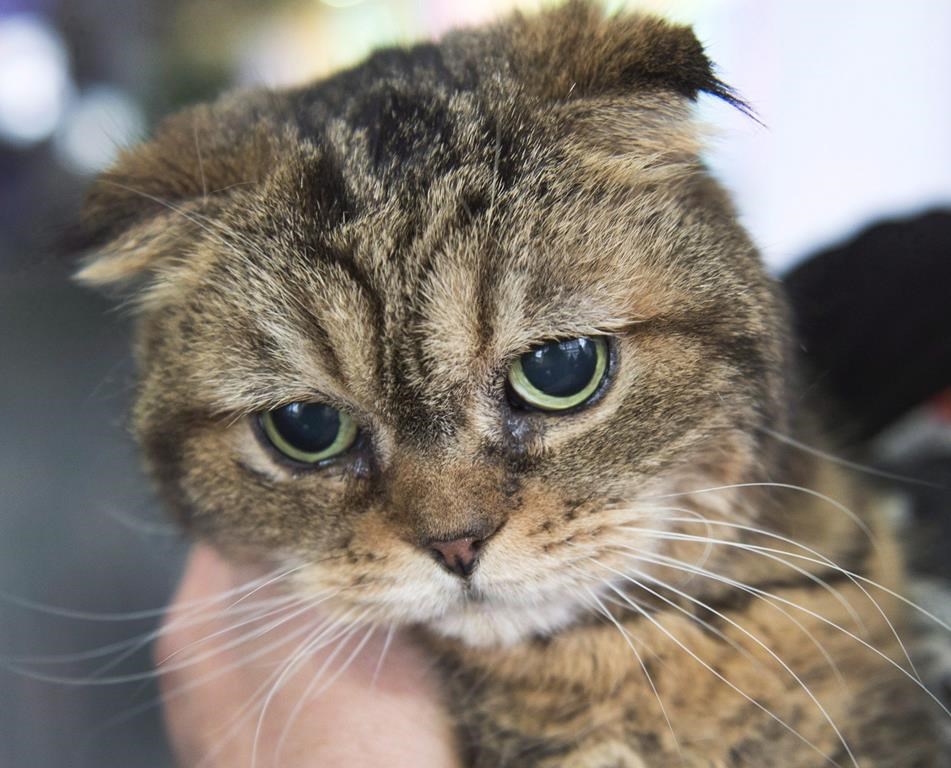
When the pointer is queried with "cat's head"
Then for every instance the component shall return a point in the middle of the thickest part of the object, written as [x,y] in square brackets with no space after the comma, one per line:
[442,329]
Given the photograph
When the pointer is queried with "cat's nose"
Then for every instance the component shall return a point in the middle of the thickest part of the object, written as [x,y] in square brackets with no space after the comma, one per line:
[459,556]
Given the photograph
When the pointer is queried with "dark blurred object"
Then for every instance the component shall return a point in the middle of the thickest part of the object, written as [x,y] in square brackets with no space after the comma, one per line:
[919,447]
[929,534]
[874,322]
[874,319]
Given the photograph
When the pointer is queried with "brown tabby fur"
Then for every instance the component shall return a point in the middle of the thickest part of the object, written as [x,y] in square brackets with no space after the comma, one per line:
[387,241]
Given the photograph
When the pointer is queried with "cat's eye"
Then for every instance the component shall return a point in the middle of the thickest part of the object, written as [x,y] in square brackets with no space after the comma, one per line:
[308,433]
[559,375]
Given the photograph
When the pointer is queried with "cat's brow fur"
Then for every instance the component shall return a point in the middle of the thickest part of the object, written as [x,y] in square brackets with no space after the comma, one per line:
[387,241]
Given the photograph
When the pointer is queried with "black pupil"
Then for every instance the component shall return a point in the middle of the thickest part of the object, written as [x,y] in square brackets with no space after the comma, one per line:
[308,427]
[561,368]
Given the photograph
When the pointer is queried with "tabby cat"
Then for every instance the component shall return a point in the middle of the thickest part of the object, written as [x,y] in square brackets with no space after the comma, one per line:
[469,335]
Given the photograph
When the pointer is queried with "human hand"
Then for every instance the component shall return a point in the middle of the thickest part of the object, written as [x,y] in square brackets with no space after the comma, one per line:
[231,698]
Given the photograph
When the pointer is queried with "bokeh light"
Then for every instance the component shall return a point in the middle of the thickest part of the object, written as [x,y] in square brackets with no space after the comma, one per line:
[97,124]
[34,79]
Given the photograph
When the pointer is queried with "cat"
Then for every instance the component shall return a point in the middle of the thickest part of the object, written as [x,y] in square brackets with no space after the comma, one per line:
[469,336]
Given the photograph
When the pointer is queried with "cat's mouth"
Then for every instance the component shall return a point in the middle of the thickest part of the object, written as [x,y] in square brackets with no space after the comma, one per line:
[483,611]
[511,595]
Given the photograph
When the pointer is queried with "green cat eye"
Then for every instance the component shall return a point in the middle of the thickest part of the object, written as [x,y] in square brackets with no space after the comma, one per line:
[309,432]
[559,375]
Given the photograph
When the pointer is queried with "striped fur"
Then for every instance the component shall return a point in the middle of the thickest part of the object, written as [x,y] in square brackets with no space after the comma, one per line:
[387,241]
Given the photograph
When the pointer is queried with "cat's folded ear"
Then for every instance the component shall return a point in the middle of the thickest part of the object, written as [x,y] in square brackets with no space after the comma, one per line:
[577,51]
[138,214]
[620,87]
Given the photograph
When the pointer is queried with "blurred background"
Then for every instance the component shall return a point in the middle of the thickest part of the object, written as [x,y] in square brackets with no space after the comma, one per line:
[855,101]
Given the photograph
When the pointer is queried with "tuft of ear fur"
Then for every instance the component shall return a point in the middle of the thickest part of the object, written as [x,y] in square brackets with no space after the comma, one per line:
[137,212]
[577,51]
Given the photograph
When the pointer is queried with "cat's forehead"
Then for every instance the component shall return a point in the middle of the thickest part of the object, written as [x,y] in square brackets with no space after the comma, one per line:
[419,298]
[415,204]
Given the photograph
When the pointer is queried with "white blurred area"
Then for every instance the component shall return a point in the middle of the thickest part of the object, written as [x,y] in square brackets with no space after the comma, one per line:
[856,99]
[854,95]
[34,81]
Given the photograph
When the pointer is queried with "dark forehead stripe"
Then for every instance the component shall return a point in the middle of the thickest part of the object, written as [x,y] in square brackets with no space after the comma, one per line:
[345,264]
[324,190]
[423,64]
[421,415]
[315,200]
[407,130]
[421,117]
[397,96]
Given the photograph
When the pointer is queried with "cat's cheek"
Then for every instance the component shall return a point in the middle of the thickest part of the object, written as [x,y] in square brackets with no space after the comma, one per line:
[232,495]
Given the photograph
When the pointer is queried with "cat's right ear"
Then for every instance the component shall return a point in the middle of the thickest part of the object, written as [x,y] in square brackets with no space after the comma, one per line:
[142,213]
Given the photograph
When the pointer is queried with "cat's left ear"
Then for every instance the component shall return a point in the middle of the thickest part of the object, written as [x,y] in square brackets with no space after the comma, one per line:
[619,86]
[142,213]
[576,51]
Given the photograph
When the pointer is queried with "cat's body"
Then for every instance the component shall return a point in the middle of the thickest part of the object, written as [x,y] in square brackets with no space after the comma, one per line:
[662,578]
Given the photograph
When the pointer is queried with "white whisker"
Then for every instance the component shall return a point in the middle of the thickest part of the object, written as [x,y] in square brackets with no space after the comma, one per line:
[724,680]
[386,646]
[777,554]
[292,667]
[279,577]
[127,647]
[767,553]
[650,681]
[69,613]
[316,638]
[309,694]
[861,524]
[676,564]
[825,560]
[140,676]
[169,696]
[727,682]
[775,656]
[303,605]
[846,463]
[705,624]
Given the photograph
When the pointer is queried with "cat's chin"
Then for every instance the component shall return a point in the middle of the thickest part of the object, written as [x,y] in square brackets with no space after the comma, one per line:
[486,625]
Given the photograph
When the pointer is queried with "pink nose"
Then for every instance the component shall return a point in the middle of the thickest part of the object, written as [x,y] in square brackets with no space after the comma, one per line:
[457,555]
